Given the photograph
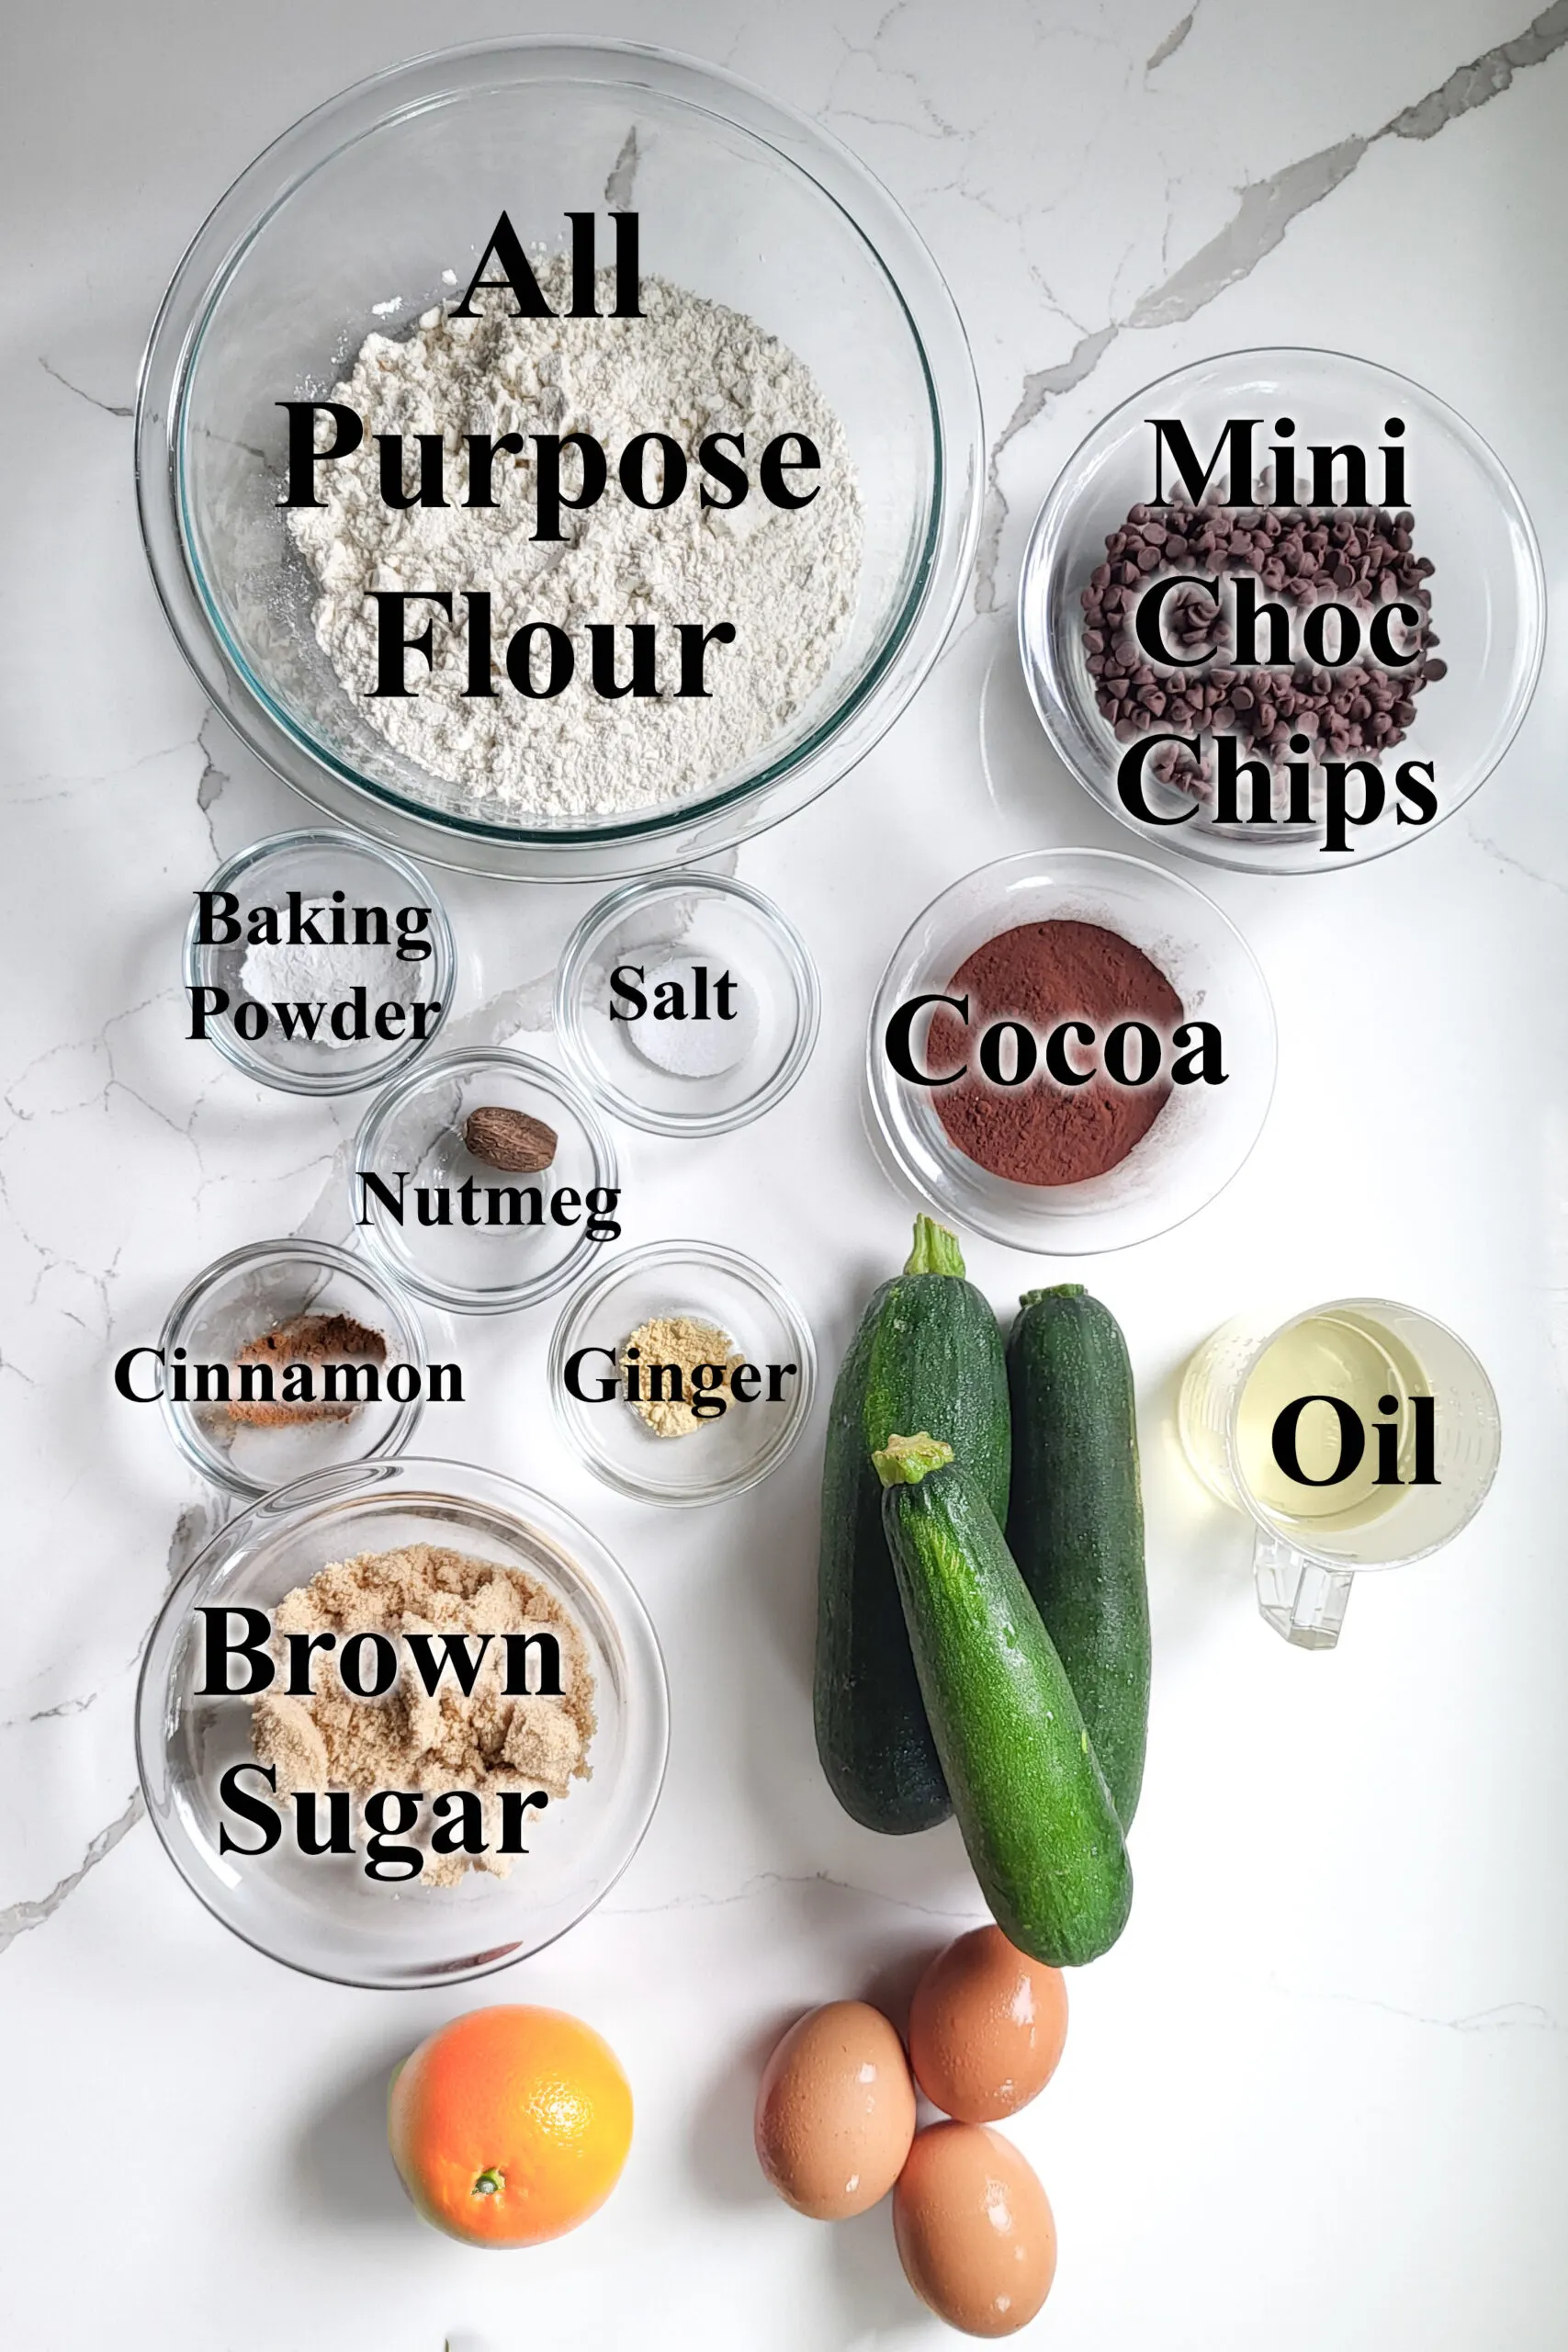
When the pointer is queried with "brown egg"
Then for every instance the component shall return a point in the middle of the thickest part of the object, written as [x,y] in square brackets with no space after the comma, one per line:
[986,2027]
[836,2111]
[974,2229]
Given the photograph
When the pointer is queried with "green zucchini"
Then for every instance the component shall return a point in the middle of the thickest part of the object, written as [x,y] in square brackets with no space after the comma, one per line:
[1038,1823]
[928,1350]
[1075,1522]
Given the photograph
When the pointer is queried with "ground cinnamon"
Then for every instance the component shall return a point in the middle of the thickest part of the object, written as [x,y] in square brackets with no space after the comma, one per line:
[1042,974]
[309,1339]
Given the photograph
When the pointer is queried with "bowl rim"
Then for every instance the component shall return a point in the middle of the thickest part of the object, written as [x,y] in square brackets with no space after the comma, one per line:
[1054,1236]
[746,1269]
[453,1296]
[322,1085]
[1034,577]
[943,561]
[683,883]
[626,1607]
[213,1467]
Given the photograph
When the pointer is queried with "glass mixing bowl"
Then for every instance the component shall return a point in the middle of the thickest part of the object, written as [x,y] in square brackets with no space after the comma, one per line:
[1203,1133]
[731,1451]
[414,1140]
[387,195]
[254,1290]
[373,881]
[666,928]
[322,1913]
[1487,587]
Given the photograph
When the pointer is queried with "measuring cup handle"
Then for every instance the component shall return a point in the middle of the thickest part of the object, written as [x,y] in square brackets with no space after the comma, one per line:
[1302,1599]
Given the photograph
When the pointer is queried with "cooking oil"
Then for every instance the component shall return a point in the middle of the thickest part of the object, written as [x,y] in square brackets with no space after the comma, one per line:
[1346,1354]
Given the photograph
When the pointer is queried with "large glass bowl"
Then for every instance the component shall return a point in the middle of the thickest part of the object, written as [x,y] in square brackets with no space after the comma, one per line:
[323,1914]
[1487,586]
[388,195]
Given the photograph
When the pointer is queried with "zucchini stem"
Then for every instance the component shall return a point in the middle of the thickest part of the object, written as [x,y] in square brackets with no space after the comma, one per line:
[904,1461]
[1052,1290]
[936,1251]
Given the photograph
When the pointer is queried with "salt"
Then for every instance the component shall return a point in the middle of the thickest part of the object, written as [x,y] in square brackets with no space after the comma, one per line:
[689,1048]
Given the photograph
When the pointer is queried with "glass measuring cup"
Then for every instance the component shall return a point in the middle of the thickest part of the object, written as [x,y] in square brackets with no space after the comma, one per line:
[1361,1434]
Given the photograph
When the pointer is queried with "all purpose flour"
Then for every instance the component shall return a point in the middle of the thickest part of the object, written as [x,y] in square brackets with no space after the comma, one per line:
[786,579]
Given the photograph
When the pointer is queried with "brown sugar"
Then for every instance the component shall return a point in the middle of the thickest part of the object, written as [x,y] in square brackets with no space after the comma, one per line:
[489,1741]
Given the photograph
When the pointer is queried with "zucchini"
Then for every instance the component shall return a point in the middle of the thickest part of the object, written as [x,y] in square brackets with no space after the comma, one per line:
[1038,1822]
[1075,1523]
[928,1350]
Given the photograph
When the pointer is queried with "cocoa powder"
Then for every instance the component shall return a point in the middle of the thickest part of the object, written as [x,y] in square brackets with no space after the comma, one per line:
[1041,974]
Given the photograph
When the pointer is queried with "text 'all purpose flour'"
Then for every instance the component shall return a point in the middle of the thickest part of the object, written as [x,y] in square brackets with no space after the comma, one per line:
[576,555]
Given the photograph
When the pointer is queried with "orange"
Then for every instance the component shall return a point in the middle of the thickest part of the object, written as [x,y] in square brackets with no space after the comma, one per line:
[510,2126]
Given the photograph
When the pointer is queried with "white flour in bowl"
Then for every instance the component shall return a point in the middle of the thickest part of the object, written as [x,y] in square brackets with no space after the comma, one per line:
[786,579]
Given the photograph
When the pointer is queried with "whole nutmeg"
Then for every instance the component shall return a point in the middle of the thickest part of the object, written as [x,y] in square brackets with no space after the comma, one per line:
[509,1140]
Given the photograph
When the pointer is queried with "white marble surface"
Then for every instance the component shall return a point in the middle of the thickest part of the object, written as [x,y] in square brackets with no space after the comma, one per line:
[1316,2096]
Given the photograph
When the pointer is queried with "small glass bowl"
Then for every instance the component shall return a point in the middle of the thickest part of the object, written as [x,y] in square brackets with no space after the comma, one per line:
[1488,588]
[316,863]
[732,1452]
[323,1916]
[663,928]
[415,1128]
[1202,1134]
[253,1291]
